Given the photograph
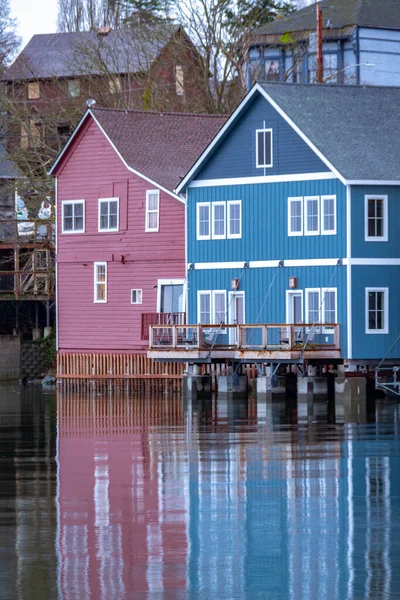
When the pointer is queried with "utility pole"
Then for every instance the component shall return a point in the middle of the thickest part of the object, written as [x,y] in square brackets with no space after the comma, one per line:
[320,63]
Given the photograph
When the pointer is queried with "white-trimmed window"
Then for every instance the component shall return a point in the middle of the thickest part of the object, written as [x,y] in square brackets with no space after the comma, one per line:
[264,148]
[313,303]
[376,218]
[311,215]
[234,208]
[295,216]
[211,307]
[329,307]
[152,210]
[73,216]
[100,282]
[376,310]
[108,214]
[203,220]
[74,88]
[328,215]
[218,220]
[136,296]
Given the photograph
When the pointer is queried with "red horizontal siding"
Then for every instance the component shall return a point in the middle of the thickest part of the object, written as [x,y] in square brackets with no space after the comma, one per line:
[92,170]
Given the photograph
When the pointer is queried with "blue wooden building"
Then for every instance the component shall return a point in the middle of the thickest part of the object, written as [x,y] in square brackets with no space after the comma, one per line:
[361,45]
[293,216]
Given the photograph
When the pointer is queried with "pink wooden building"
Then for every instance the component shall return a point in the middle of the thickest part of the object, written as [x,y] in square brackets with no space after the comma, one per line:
[120,260]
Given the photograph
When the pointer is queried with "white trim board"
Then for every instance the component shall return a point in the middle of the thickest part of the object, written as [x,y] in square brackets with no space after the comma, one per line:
[372,182]
[256,88]
[348,274]
[302,262]
[131,169]
[198,183]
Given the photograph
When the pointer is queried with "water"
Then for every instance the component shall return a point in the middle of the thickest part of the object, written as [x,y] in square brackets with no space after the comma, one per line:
[105,496]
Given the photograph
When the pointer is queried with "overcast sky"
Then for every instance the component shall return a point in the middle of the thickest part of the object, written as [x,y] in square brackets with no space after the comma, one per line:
[34,16]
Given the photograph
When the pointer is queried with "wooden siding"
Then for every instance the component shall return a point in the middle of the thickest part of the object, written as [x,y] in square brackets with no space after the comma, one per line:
[236,154]
[380,47]
[361,248]
[135,258]
[265,223]
[256,283]
[375,346]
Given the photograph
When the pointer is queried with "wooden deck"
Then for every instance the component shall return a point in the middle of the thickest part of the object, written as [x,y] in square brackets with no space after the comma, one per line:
[244,343]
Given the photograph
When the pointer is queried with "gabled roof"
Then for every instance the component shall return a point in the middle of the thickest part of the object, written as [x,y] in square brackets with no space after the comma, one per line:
[353,129]
[160,146]
[123,50]
[342,13]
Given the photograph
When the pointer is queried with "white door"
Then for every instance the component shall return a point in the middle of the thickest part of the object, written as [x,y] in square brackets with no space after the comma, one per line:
[294,311]
[236,313]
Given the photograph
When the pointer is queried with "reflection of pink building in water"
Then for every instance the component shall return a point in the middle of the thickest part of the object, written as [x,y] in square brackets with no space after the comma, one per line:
[118,536]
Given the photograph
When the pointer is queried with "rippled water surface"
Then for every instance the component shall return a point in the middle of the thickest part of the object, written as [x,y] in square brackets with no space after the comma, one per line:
[108,496]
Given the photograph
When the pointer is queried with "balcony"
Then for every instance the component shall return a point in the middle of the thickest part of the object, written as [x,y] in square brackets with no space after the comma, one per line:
[258,342]
[154,318]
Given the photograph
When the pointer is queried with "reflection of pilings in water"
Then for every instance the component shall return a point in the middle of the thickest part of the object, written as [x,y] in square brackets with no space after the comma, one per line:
[82,413]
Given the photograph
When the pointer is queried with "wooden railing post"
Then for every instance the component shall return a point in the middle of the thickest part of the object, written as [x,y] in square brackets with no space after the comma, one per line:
[199,336]
[265,337]
[238,336]
[174,336]
[150,336]
[336,337]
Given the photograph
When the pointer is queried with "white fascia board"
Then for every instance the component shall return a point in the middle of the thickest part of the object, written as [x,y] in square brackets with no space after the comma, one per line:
[301,134]
[372,182]
[216,139]
[199,183]
[382,262]
[218,265]
[262,264]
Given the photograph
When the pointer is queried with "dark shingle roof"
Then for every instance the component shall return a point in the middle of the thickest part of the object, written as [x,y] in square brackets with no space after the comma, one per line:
[161,146]
[124,50]
[356,128]
[342,13]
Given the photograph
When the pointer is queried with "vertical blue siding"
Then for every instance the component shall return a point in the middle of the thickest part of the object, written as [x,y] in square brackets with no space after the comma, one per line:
[361,248]
[375,345]
[236,154]
[256,283]
[265,223]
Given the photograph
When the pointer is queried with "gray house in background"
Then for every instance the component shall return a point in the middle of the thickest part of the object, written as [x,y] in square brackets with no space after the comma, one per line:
[9,174]
[361,45]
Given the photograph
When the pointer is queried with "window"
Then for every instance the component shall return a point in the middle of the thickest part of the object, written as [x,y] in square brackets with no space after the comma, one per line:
[376,310]
[329,308]
[264,147]
[152,210]
[234,219]
[311,216]
[179,81]
[100,282]
[313,306]
[73,216]
[295,216]
[218,220]
[31,134]
[136,296]
[108,214]
[211,307]
[376,219]
[328,215]
[203,220]
[272,70]
[74,88]
[33,90]
[114,85]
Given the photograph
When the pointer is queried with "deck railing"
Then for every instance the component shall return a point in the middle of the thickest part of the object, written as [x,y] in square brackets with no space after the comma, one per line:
[165,318]
[27,230]
[275,336]
[23,283]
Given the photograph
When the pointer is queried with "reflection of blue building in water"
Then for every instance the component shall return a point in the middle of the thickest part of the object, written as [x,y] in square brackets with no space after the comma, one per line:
[280,514]
[292,216]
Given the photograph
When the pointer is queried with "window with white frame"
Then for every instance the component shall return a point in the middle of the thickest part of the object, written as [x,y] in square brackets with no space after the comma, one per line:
[152,210]
[100,282]
[295,216]
[376,219]
[264,148]
[311,215]
[73,216]
[328,215]
[218,220]
[136,296]
[376,310]
[234,218]
[313,305]
[211,307]
[203,220]
[108,214]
